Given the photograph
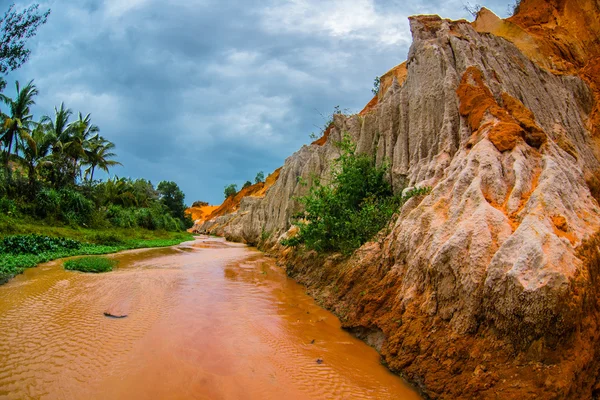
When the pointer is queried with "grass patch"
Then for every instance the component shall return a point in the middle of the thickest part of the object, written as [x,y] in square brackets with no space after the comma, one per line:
[75,242]
[90,264]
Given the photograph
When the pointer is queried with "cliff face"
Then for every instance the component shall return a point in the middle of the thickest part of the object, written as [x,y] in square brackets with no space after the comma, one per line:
[484,288]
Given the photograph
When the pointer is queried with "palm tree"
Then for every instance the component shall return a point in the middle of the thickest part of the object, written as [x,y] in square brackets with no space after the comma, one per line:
[17,126]
[98,154]
[59,126]
[81,132]
[35,152]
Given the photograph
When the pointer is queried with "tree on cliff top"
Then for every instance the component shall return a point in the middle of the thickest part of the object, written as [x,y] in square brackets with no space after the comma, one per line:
[230,190]
[260,177]
[15,29]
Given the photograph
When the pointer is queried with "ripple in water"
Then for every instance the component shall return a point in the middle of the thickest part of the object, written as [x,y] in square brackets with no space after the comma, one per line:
[206,320]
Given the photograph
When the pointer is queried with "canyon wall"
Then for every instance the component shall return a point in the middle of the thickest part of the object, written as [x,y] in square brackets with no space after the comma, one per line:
[485,287]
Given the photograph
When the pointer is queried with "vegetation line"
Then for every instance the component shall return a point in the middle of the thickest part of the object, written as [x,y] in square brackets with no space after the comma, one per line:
[18,252]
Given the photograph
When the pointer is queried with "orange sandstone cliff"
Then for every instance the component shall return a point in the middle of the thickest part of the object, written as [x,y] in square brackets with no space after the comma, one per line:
[485,288]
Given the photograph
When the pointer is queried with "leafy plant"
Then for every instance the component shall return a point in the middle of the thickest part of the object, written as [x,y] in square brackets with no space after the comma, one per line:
[230,190]
[172,197]
[344,214]
[35,244]
[8,206]
[247,184]
[16,28]
[90,264]
[260,177]
[264,235]
[107,239]
[376,85]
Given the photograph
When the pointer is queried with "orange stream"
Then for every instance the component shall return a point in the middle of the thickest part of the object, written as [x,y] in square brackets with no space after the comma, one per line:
[206,320]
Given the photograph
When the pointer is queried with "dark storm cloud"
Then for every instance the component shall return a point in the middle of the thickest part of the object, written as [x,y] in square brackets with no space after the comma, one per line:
[205,92]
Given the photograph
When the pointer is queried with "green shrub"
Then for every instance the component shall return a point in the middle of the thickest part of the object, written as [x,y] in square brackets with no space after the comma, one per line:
[48,203]
[107,239]
[35,244]
[345,214]
[376,85]
[121,217]
[230,190]
[260,177]
[8,206]
[75,208]
[144,218]
[90,264]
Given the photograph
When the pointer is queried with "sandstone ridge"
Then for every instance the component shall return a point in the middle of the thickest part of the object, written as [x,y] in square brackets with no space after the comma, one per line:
[486,287]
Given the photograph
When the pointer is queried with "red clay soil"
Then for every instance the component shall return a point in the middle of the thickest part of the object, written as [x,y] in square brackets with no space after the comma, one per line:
[385,82]
[323,139]
[561,36]
[200,213]
[363,292]
[509,123]
[232,203]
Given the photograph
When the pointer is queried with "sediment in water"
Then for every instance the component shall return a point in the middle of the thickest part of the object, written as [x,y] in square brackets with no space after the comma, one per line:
[483,287]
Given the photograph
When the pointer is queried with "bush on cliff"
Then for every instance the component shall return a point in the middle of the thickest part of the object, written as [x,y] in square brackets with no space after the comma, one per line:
[230,190]
[358,203]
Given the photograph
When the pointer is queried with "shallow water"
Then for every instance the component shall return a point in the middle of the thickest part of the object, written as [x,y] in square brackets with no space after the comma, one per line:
[206,320]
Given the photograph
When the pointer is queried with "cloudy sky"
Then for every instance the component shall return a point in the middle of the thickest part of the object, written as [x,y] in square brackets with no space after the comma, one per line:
[209,92]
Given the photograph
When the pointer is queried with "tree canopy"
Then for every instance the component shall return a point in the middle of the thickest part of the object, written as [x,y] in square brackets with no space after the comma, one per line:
[15,29]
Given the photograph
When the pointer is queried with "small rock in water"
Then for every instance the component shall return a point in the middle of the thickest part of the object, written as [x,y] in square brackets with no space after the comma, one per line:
[319,361]
[109,315]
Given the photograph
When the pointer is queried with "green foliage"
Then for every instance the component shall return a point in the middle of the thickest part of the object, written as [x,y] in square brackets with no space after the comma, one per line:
[172,197]
[260,177]
[35,244]
[8,206]
[246,184]
[90,264]
[28,252]
[230,190]
[264,235]
[153,218]
[66,205]
[376,85]
[107,239]
[16,28]
[356,205]
[74,207]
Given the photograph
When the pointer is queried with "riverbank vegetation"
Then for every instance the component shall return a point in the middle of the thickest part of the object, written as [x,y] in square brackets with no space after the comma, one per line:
[52,204]
[90,264]
[39,243]
[342,215]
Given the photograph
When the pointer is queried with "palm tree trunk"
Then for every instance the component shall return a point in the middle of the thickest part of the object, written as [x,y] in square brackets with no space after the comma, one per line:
[7,153]
[92,175]
[32,179]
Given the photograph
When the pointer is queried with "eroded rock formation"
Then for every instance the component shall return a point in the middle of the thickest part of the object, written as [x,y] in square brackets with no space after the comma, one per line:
[486,287]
